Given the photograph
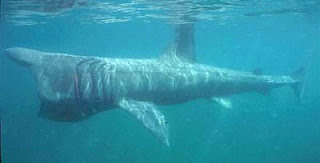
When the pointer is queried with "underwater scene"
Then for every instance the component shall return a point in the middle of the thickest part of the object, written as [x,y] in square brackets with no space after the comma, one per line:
[150,81]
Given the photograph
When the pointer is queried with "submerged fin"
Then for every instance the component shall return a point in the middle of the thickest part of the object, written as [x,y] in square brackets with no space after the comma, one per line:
[183,46]
[224,102]
[149,116]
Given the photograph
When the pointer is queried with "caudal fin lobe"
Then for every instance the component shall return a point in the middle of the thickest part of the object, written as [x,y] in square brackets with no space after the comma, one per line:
[300,76]
[298,87]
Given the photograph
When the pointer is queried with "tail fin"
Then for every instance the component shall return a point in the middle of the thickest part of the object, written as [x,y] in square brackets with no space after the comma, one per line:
[300,76]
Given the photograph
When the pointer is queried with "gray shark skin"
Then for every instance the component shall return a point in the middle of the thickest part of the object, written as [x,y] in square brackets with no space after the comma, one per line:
[72,88]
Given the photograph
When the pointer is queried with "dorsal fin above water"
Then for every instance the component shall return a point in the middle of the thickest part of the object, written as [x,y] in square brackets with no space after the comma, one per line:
[182,48]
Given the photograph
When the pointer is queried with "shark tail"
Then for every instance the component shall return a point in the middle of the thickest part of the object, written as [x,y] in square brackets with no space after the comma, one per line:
[299,86]
[300,77]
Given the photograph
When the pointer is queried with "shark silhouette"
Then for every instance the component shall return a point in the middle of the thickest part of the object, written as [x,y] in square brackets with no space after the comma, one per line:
[73,88]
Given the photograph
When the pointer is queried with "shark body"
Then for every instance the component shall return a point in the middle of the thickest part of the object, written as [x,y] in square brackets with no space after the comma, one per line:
[73,88]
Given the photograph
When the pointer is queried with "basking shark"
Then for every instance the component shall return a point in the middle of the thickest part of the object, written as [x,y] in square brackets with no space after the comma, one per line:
[73,87]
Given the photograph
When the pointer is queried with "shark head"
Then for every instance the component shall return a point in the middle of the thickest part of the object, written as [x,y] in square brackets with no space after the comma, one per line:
[55,76]
[22,56]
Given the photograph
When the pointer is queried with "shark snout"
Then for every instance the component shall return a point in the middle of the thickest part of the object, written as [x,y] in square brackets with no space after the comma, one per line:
[22,56]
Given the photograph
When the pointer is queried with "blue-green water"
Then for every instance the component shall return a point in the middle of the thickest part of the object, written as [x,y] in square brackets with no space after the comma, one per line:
[274,36]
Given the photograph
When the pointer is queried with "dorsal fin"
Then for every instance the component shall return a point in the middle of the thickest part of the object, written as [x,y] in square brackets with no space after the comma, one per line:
[183,47]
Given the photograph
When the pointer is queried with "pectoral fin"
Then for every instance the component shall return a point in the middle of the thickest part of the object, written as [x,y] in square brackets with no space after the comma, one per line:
[224,102]
[149,116]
